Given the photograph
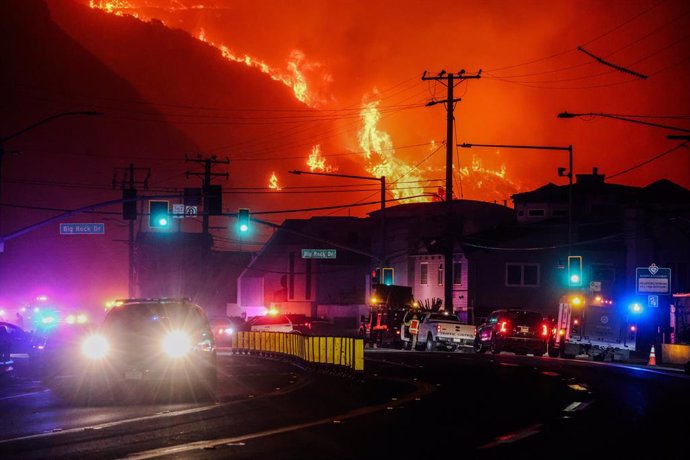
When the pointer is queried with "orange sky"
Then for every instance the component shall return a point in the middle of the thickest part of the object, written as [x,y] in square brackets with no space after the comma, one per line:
[532,70]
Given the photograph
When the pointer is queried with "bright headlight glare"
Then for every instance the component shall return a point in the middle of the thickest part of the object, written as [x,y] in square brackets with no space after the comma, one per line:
[95,347]
[176,344]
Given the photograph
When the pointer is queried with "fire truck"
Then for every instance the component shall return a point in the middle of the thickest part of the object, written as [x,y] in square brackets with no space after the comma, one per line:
[590,324]
[388,305]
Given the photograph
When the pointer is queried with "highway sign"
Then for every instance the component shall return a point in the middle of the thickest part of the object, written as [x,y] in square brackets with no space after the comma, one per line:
[82,229]
[653,280]
[318,253]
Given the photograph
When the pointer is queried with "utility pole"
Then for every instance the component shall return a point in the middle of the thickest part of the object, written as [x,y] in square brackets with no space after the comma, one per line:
[208,163]
[451,80]
[129,182]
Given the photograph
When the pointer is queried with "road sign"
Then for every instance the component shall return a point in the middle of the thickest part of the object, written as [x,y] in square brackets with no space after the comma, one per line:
[595,286]
[653,301]
[318,253]
[178,211]
[82,229]
[653,280]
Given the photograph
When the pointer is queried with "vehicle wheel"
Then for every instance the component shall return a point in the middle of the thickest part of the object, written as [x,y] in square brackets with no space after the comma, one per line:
[430,344]
[687,368]
[553,352]
[479,346]
[494,347]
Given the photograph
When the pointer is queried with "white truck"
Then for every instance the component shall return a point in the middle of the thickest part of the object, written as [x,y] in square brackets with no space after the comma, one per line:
[438,330]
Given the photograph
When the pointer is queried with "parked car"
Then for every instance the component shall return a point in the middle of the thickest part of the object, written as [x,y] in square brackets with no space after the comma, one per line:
[519,331]
[159,344]
[271,323]
[19,348]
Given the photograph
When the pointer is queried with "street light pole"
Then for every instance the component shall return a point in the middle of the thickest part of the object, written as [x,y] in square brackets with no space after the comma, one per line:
[621,118]
[4,139]
[382,180]
[569,174]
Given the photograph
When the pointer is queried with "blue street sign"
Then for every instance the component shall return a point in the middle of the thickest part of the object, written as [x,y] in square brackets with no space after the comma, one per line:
[82,229]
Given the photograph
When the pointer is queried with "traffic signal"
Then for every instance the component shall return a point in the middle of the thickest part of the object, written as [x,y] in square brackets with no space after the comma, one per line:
[388,276]
[213,201]
[159,214]
[243,220]
[574,270]
[375,276]
[129,204]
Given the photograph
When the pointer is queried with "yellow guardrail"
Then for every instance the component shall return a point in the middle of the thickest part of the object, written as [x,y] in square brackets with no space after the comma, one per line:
[335,352]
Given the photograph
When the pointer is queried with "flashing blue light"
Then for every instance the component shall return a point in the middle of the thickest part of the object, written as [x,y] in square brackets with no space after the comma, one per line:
[636,308]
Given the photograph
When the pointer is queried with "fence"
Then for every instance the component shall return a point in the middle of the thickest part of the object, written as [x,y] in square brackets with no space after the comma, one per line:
[342,353]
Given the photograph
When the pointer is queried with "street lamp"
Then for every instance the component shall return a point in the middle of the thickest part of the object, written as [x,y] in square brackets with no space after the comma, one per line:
[381,179]
[561,172]
[621,118]
[4,139]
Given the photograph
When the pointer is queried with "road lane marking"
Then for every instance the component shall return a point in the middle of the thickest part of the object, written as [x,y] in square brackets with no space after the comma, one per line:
[423,389]
[577,406]
[162,414]
[23,395]
[514,436]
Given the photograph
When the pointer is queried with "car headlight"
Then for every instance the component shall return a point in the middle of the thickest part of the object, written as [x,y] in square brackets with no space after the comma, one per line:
[176,344]
[95,347]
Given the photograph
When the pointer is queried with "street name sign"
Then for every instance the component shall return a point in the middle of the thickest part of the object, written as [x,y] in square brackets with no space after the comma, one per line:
[653,280]
[82,229]
[318,253]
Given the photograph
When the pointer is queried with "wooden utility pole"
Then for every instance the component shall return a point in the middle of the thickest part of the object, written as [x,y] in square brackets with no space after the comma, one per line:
[451,80]
[129,182]
[208,163]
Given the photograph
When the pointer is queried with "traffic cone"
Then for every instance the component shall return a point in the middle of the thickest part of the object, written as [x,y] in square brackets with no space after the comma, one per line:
[652,357]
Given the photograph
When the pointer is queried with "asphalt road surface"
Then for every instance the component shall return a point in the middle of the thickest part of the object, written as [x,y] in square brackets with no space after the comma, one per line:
[405,405]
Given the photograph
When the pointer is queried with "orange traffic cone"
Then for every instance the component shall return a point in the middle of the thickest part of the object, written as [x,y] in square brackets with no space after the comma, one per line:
[652,358]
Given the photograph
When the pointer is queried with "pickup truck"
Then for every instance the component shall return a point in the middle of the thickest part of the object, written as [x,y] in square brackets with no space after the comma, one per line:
[439,330]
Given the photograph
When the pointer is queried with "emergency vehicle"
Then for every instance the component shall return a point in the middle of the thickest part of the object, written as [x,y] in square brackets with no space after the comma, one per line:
[593,325]
[388,305]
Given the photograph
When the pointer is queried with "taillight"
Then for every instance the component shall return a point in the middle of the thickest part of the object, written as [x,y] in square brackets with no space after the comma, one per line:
[438,328]
[504,326]
[576,321]
[544,330]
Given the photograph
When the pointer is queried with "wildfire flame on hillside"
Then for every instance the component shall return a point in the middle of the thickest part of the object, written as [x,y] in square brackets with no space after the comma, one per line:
[380,154]
[273,182]
[317,162]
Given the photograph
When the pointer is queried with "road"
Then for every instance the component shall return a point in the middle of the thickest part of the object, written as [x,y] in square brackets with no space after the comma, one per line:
[407,404]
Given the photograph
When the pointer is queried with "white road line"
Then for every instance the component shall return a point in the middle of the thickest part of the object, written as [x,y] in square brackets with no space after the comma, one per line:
[24,395]
[112,424]
[423,389]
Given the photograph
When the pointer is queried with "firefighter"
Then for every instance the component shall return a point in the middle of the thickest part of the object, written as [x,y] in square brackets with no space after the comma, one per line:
[413,329]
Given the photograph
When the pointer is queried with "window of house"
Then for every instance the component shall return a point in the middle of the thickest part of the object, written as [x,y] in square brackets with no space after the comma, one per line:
[525,275]
[457,272]
[440,275]
[535,213]
[424,273]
